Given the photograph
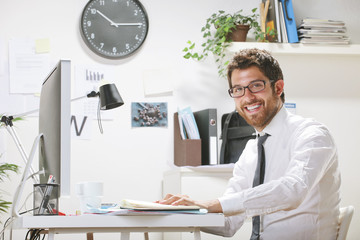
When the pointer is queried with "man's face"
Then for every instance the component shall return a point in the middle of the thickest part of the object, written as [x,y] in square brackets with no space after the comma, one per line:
[257,108]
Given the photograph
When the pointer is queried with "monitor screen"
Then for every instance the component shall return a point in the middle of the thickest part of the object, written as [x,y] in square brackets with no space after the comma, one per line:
[54,124]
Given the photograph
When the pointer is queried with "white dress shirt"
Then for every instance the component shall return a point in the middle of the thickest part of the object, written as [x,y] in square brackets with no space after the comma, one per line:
[299,198]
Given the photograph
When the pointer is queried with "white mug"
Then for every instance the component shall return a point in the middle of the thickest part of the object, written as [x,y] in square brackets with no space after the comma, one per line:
[90,194]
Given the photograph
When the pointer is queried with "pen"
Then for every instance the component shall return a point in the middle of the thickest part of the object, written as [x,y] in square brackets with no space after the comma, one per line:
[47,193]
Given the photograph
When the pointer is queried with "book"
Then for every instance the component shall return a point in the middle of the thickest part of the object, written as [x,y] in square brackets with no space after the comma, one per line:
[271,15]
[322,31]
[144,205]
[277,18]
[290,23]
[186,117]
[282,25]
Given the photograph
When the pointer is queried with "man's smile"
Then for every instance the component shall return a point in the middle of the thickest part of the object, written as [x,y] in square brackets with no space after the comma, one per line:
[253,108]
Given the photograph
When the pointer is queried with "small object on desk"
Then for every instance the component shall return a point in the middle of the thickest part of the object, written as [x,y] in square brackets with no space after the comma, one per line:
[108,205]
[46,199]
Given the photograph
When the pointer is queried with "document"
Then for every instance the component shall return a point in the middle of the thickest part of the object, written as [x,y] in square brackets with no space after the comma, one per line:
[27,68]
[136,207]
[143,205]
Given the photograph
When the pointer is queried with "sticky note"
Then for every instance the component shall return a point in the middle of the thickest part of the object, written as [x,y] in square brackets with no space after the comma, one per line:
[42,45]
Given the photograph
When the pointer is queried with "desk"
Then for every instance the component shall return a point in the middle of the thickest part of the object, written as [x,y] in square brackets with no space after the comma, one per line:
[124,224]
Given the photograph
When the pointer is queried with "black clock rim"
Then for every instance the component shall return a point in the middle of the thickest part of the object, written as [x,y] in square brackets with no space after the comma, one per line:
[114,57]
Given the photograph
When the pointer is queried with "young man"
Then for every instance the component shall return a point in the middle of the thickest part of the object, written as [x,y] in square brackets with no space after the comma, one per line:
[298,197]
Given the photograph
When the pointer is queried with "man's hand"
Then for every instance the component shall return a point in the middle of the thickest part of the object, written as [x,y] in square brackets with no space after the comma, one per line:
[213,206]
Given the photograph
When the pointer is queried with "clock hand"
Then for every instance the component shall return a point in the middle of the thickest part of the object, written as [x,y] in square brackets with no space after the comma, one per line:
[126,24]
[111,22]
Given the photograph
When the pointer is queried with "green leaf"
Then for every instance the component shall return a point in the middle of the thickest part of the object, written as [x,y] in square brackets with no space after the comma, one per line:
[187,56]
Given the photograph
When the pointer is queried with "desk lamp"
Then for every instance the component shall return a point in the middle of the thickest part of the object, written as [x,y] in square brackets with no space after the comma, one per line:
[109,99]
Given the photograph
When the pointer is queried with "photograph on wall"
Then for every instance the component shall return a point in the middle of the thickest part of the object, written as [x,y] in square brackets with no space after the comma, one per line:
[149,114]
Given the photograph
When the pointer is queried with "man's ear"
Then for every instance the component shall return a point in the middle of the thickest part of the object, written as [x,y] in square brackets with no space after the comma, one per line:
[279,87]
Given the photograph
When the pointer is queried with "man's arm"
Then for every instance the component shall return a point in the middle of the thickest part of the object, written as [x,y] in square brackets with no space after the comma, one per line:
[212,206]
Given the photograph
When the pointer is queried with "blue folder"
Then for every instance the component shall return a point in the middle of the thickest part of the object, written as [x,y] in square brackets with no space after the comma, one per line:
[290,23]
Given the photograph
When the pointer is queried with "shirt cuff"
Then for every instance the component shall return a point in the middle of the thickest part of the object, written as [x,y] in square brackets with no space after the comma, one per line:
[232,204]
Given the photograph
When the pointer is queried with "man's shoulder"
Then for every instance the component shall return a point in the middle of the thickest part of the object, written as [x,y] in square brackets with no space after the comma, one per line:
[307,128]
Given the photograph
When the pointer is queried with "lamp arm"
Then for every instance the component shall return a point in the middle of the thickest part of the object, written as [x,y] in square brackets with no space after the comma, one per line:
[26,175]
[89,95]
[24,156]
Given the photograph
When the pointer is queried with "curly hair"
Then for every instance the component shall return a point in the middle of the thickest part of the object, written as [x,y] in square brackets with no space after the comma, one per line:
[261,59]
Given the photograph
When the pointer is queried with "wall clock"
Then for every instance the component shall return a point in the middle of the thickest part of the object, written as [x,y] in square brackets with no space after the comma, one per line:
[114,29]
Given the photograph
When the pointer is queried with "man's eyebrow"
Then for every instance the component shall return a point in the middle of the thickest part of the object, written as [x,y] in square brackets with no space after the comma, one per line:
[238,85]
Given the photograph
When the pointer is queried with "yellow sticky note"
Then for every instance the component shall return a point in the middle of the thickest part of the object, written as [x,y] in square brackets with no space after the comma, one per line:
[42,45]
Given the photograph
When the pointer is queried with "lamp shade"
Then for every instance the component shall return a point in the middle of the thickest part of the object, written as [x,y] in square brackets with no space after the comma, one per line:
[109,97]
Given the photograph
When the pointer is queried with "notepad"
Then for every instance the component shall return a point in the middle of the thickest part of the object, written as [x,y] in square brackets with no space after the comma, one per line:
[143,205]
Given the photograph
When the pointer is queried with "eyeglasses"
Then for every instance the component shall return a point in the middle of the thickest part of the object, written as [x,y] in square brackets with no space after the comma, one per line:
[254,87]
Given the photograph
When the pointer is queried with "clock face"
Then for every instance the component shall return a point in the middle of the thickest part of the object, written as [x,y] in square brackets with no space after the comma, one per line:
[114,28]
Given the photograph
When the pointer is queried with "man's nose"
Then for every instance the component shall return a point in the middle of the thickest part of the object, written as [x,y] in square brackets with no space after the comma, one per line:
[248,93]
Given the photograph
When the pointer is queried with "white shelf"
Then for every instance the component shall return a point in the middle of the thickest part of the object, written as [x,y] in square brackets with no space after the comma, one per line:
[298,48]
[206,170]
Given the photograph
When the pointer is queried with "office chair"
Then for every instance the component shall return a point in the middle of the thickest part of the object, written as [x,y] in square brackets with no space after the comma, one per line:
[345,216]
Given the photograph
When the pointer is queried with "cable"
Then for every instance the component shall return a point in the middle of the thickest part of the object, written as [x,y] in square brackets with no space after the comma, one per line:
[2,233]
[9,221]
[99,118]
[35,234]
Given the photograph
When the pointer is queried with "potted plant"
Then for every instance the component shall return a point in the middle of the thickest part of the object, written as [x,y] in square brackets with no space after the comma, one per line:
[5,168]
[220,30]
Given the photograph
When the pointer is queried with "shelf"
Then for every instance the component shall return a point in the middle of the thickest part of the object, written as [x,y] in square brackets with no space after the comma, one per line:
[226,169]
[298,48]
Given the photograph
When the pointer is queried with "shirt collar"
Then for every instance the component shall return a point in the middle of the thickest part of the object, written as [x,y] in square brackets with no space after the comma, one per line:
[276,123]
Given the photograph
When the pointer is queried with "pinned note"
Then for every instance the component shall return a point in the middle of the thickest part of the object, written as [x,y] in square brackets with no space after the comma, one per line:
[42,45]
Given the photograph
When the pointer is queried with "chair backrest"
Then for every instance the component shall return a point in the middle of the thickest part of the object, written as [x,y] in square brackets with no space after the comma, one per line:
[345,216]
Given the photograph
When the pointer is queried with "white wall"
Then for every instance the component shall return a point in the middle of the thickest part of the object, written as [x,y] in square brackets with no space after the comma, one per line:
[131,162]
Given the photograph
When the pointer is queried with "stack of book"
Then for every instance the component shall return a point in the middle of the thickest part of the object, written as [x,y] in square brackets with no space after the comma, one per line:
[322,31]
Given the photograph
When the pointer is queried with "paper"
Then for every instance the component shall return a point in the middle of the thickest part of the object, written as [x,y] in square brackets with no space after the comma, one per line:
[2,56]
[13,104]
[42,45]
[149,114]
[27,69]
[188,119]
[158,82]
[81,127]
[89,78]
[143,205]
[291,107]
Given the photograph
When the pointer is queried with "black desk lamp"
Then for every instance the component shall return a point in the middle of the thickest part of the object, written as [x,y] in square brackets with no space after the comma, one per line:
[109,99]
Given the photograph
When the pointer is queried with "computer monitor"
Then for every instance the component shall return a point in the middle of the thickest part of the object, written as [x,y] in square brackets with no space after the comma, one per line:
[54,124]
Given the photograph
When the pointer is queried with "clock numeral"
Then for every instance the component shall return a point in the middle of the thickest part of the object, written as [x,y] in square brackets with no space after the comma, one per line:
[114,50]
[93,11]
[127,3]
[102,2]
[127,46]
[88,23]
[101,45]
[92,35]
[137,37]
[135,12]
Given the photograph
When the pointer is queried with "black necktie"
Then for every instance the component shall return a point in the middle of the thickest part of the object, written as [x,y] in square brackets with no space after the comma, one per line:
[259,179]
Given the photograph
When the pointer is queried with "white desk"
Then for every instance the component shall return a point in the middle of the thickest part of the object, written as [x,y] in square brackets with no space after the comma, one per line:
[123,224]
